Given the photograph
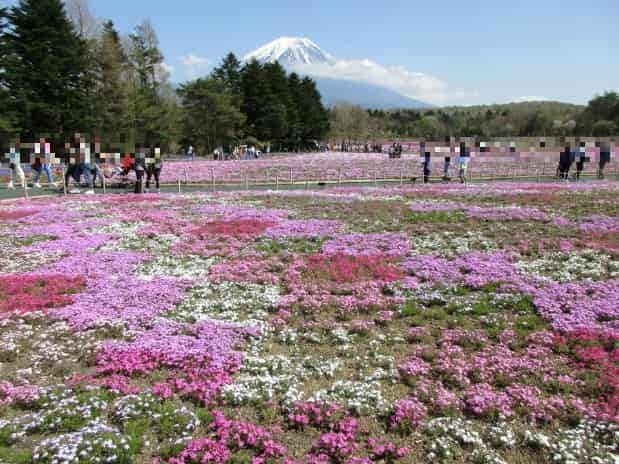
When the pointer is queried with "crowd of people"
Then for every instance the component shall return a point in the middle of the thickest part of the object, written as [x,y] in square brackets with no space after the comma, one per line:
[579,156]
[83,165]
[567,158]
[355,147]
[464,156]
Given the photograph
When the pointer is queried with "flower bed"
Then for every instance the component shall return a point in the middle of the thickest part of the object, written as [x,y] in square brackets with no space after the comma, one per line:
[439,323]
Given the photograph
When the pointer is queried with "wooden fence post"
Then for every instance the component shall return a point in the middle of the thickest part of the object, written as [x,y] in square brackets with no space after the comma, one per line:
[64,183]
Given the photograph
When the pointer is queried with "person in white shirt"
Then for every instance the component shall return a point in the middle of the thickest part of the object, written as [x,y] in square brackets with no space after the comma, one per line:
[463,161]
[15,167]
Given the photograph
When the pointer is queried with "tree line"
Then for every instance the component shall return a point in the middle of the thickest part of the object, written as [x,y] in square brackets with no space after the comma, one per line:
[600,117]
[62,72]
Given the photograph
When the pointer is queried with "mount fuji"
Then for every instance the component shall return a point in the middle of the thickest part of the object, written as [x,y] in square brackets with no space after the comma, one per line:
[305,57]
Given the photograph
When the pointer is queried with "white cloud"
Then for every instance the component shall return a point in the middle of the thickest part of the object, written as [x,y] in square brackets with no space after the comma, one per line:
[528,98]
[412,84]
[194,60]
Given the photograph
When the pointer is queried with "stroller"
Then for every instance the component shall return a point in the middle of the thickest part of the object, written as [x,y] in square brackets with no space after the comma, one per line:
[118,176]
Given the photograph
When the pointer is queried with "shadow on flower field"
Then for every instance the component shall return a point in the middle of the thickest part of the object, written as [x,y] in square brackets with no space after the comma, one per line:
[473,324]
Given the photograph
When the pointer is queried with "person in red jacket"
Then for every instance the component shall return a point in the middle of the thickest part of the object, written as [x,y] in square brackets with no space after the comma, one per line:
[128,163]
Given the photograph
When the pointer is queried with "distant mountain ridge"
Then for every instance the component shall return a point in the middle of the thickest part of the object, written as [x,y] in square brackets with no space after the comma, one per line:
[295,52]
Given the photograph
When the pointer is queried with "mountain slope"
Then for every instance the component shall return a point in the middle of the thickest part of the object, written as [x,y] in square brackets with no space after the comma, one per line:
[336,91]
[294,53]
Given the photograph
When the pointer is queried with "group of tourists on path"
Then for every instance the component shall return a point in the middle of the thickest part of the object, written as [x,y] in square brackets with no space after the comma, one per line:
[84,165]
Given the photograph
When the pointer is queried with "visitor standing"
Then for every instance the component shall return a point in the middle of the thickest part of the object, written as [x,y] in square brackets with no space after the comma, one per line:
[463,161]
[604,157]
[139,167]
[447,169]
[565,158]
[153,169]
[86,166]
[426,162]
[581,159]
[96,173]
[14,157]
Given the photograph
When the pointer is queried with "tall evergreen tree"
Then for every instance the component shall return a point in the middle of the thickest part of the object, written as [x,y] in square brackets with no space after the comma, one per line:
[274,122]
[255,91]
[229,72]
[44,66]
[112,112]
[312,114]
[294,121]
[146,60]
[7,118]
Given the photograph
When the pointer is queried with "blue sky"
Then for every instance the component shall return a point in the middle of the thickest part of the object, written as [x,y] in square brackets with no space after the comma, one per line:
[485,51]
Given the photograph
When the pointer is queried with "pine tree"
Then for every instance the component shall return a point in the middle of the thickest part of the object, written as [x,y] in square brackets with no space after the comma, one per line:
[294,117]
[112,111]
[146,60]
[229,72]
[312,114]
[274,122]
[255,92]
[44,67]
[7,118]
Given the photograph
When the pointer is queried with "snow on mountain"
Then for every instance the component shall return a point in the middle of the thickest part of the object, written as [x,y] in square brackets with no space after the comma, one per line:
[305,57]
[291,51]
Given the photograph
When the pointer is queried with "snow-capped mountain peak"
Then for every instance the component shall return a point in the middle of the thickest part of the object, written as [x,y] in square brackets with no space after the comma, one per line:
[290,51]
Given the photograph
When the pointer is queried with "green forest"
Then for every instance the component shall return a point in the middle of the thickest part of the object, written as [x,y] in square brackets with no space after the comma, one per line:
[600,117]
